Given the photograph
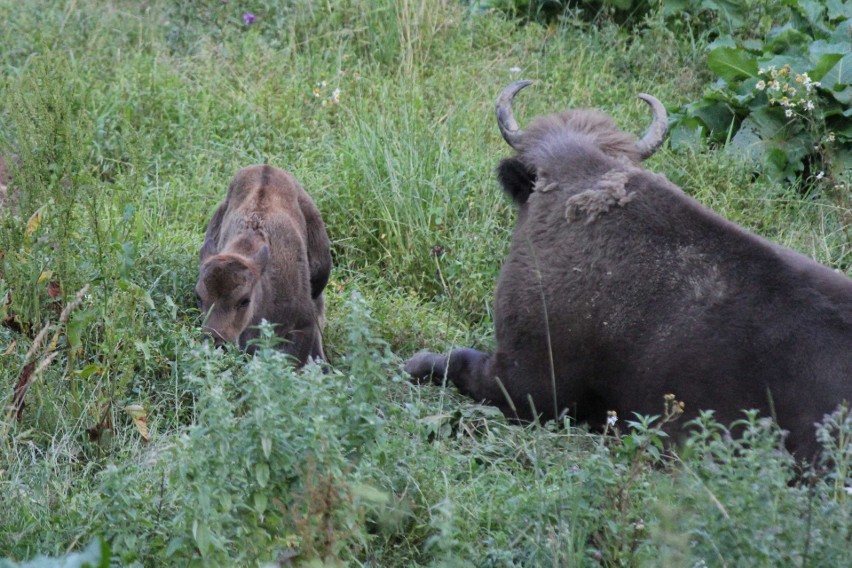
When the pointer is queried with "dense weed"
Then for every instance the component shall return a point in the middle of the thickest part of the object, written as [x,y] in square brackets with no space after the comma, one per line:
[128,120]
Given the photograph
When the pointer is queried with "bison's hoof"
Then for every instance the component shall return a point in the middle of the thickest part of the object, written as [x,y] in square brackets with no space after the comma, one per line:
[425,367]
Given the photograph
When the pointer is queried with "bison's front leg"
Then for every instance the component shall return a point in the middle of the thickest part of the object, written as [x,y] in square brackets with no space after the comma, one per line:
[468,369]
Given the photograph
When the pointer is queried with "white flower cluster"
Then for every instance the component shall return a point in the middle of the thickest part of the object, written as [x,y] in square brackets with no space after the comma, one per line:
[332,99]
[787,89]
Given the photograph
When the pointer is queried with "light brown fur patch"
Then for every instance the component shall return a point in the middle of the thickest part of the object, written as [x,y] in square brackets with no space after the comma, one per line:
[610,191]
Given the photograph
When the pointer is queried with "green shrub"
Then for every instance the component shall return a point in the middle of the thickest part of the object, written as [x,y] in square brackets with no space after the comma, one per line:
[265,468]
[96,555]
[782,96]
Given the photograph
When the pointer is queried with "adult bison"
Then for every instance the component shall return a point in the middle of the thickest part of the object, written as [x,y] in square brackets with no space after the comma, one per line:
[265,256]
[619,288]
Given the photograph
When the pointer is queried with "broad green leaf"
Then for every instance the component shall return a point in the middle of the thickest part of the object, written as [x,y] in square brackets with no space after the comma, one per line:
[747,143]
[776,160]
[261,473]
[765,137]
[722,41]
[798,64]
[838,78]
[201,534]
[822,47]
[822,63]
[732,64]
[732,12]
[175,544]
[787,38]
[843,31]
[744,92]
[842,161]
[844,96]
[687,133]
[260,502]
[717,117]
[754,45]
[838,9]
[814,13]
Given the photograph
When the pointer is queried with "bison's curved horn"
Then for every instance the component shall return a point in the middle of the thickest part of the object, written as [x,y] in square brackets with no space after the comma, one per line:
[656,133]
[505,119]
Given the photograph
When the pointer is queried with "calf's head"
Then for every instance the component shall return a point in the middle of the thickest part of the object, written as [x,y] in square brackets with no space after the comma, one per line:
[229,293]
[568,145]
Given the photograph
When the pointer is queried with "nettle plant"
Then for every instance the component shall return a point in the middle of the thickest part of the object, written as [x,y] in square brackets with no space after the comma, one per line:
[783,99]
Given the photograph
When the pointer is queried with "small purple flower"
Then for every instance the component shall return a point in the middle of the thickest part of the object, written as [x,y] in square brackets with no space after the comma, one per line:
[249,18]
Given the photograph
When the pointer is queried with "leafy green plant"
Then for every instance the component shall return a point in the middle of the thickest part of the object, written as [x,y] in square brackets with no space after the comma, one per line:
[783,98]
[835,435]
[744,18]
[96,555]
[728,476]
[266,464]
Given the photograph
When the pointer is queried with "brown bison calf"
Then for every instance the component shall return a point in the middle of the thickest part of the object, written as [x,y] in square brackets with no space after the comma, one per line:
[619,288]
[265,256]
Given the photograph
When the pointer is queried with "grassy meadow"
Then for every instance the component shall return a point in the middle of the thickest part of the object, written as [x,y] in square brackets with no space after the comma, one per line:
[129,118]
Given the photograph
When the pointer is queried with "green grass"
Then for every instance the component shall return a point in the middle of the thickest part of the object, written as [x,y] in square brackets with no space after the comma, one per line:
[129,119]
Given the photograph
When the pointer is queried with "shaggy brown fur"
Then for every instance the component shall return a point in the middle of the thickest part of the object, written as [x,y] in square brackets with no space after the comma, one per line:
[265,256]
[641,292]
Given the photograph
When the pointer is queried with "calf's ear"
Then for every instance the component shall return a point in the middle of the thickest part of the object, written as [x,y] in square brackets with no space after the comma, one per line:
[517,179]
[207,249]
[261,258]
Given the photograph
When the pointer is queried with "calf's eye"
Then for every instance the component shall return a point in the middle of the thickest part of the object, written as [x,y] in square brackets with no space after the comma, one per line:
[244,302]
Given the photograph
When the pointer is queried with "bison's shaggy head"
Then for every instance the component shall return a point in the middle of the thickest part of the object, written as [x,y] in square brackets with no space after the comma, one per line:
[229,293]
[570,145]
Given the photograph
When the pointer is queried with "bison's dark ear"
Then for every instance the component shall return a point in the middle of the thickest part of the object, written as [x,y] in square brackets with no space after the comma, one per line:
[517,180]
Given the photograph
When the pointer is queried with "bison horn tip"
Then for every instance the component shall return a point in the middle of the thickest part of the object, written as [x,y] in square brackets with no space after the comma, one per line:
[505,119]
[656,133]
